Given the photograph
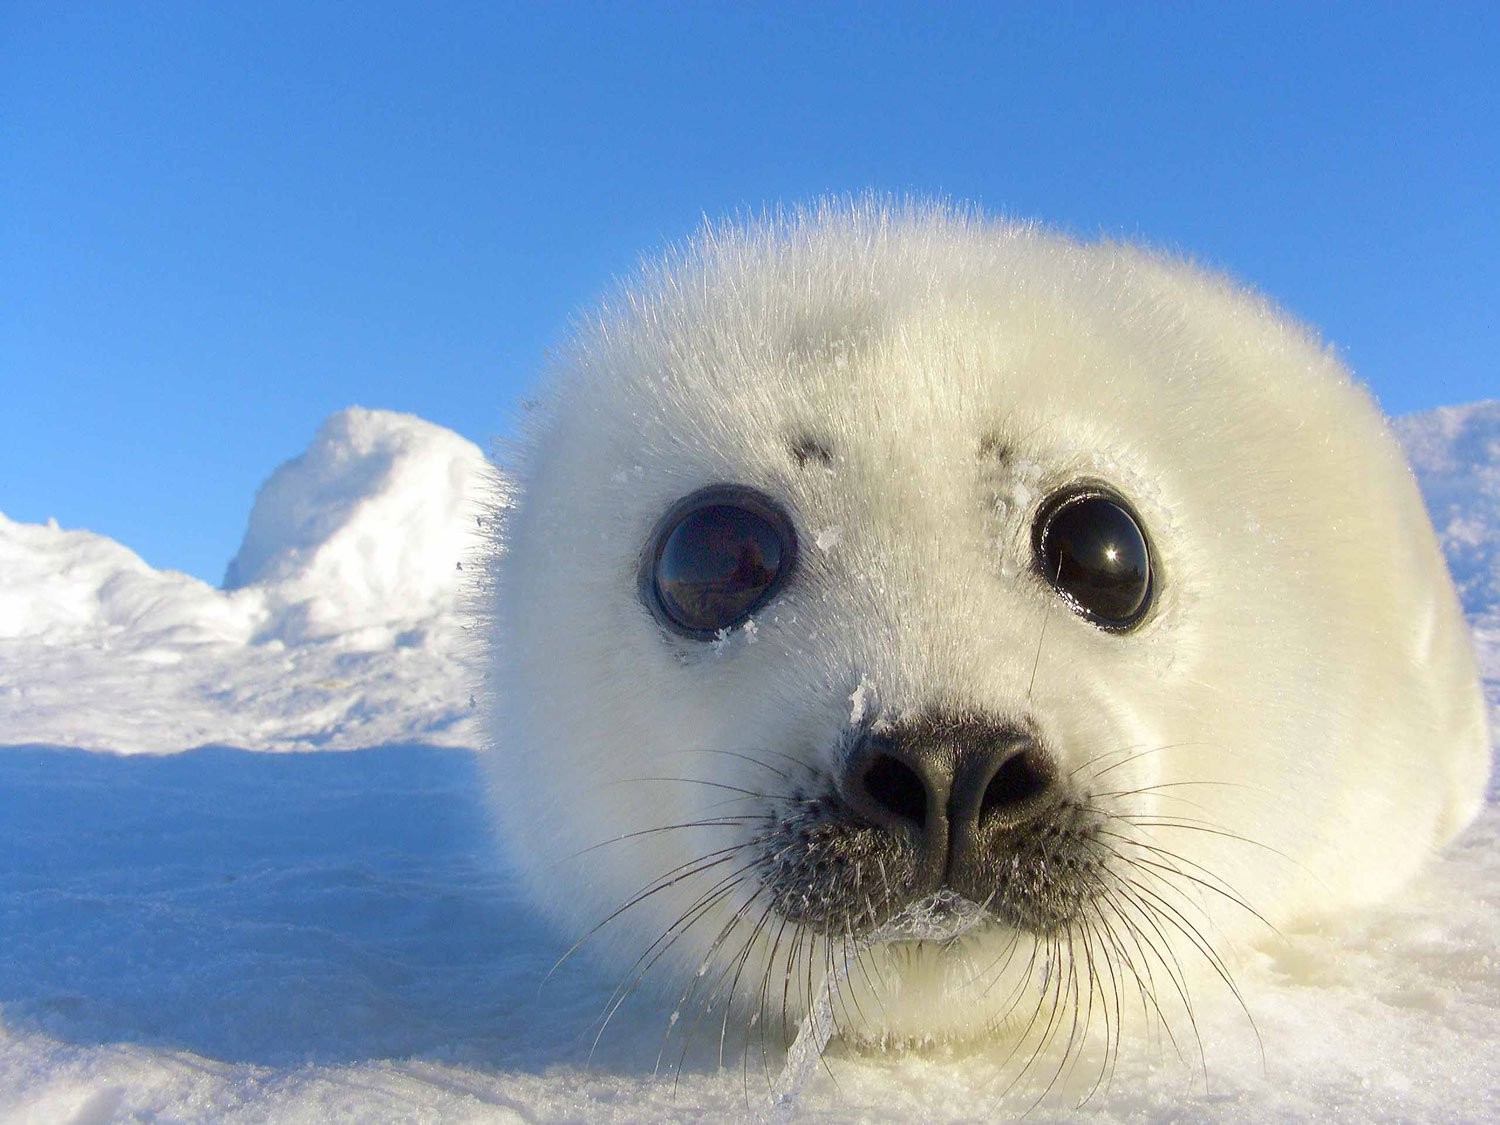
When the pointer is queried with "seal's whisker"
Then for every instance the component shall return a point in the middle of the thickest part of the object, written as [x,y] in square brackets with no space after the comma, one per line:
[687,996]
[873,985]
[1207,827]
[1056,1013]
[1094,961]
[765,996]
[1210,955]
[629,983]
[800,935]
[850,957]
[694,913]
[687,781]
[747,758]
[1047,947]
[1209,882]
[1073,1004]
[1140,973]
[1132,755]
[1171,859]
[1112,1029]
[1041,636]
[671,878]
[1162,786]
[708,822]
[1166,956]
[740,961]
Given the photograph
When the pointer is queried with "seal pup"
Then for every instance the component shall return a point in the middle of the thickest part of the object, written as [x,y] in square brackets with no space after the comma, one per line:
[1003,628]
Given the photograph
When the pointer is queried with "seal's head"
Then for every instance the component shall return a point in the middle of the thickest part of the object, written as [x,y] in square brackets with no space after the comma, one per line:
[1021,619]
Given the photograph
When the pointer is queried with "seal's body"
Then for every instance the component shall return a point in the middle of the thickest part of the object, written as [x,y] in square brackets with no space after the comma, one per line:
[1060,612]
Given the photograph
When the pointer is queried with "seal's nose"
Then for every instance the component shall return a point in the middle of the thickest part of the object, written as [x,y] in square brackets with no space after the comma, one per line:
[951,782]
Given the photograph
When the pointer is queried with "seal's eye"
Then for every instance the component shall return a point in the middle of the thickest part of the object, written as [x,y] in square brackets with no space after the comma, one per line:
[1090,546]
[715,558]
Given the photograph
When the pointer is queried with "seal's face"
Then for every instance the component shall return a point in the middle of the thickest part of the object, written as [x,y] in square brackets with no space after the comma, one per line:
[1023,621]
[954,804]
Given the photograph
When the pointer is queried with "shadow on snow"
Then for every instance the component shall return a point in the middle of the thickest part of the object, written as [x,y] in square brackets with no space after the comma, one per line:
[275,908]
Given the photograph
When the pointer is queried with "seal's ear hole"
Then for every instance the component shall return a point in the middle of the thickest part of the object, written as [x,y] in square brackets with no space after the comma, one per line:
[715,558]
[1091,547]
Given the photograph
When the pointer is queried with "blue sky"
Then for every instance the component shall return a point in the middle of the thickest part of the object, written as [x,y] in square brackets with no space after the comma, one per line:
[221,222]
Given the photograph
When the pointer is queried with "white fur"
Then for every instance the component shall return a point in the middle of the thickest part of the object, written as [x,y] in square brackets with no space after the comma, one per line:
[1306,669]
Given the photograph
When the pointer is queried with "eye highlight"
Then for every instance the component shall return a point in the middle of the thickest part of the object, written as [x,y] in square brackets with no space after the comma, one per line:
[716,557]
[1090,546]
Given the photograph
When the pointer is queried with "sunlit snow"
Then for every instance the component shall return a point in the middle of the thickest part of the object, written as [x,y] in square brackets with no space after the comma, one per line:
[304,936]
[340,625]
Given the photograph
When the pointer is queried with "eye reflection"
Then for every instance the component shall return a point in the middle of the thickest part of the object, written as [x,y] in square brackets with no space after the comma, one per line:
[716,557]
[1091,548]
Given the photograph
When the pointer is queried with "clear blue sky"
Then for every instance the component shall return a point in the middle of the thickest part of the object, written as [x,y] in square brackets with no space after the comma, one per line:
[220,222]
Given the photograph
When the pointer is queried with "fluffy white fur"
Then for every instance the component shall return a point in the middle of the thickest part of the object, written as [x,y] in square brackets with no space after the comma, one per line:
[1298,723]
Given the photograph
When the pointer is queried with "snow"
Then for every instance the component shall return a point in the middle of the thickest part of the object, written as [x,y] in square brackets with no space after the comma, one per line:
[305,936]
[341,624]
[1455,451]
[366,528]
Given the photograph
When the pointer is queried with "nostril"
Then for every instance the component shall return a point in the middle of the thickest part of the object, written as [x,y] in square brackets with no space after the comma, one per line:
[897,788]
[1021,777]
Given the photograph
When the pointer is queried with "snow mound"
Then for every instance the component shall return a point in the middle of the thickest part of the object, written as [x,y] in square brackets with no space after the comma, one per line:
[341,626]
[75,587]
[367,527]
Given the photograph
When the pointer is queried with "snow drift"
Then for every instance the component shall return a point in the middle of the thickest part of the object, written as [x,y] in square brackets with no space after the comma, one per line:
[340,624]
[367,528]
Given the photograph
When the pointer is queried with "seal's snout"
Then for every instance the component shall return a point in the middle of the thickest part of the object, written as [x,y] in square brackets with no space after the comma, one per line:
[951,783]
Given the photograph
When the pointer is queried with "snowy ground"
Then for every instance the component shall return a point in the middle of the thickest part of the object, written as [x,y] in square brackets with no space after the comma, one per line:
[339,626]
[321,936]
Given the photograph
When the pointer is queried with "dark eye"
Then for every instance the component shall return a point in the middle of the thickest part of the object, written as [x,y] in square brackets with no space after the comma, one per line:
[1090,546]
[715,558]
